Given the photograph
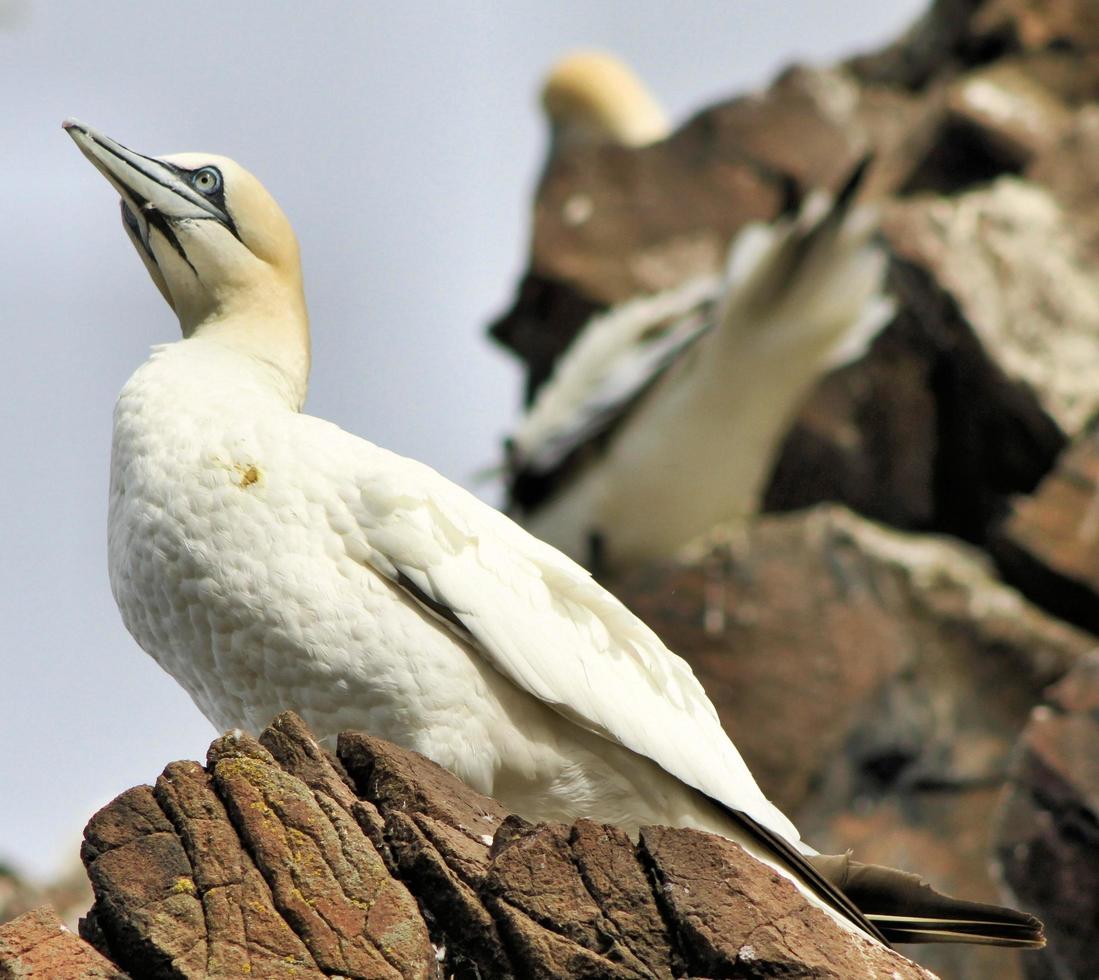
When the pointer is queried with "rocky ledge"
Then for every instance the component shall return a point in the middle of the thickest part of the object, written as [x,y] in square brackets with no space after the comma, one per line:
[276,859]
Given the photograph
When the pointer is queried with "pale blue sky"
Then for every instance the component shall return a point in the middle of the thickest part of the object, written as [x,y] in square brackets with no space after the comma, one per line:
[403,142]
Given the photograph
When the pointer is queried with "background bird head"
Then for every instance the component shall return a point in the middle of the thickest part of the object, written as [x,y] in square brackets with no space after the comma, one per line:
[212,238]
[592,97]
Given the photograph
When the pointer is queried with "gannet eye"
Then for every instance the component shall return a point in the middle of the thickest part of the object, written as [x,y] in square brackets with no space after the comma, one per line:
[207,180]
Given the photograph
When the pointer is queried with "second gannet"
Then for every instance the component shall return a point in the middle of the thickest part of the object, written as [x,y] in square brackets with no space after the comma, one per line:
[662,419]
[269,560]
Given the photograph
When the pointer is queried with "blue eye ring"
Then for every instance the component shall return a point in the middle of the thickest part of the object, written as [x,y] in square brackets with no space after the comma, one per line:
[207,180]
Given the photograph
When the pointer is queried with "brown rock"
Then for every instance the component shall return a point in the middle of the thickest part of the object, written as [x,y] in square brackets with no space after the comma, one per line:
[991,121]
[245,866]
[889,642]
[738,919]
[439,831]
[36,946]
[955,35]
[874,682]
[576,902]
[1070,170]
[327,880]
[1048,829]
[939,44]
[1015,116]
[1049,544]
[1010,257]
[926,432]
[241,868]
[1040,24]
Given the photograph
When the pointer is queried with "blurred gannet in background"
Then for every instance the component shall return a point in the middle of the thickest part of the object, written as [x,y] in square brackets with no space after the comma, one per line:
[269,560]
[592,97]
[662,419]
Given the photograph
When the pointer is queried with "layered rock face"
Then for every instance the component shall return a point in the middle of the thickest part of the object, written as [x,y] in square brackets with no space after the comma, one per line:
[277,860]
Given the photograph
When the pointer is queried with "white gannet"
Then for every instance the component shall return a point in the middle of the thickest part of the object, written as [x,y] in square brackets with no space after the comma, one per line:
[269,560]
[592,97]
[663,417]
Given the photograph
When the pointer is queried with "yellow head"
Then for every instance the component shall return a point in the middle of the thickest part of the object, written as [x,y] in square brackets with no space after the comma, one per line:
[592,97]
[212,238]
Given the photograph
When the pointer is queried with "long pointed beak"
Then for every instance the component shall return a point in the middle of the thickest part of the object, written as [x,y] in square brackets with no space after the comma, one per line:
[145,183]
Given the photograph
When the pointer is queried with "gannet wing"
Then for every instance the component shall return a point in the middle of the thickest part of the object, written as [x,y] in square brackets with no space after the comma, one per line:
[546,625]
[616,356]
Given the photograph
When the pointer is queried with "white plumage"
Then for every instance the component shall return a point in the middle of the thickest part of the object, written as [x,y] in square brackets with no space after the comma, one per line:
[270,560]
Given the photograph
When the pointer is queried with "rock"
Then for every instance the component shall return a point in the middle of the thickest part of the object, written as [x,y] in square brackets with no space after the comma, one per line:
[1011,259]
[264,862]
[875,683]
[988,122]
[965,400]
[1049,543]
[1070,170]
[733,924]
[68,893]
[926,432]
[585,880]
[240,865]
[37,945]
[1040,24]
[1047,834]
[439,831]
[1010,114]
[955,35]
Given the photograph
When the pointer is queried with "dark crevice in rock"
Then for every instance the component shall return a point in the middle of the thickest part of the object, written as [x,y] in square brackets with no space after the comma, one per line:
[960,157]
[1073,601]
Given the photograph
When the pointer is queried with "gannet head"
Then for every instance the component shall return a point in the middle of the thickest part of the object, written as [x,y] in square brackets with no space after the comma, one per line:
[212,238]
[592,97]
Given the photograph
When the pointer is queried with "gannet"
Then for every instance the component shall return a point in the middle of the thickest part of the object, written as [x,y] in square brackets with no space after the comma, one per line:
[662,419]
[592,97]
[269,560]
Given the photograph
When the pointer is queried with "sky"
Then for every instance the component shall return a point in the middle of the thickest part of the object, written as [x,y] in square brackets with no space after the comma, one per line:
[403,141]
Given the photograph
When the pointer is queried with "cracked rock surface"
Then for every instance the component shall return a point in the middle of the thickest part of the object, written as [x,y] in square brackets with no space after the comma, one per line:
[276,859]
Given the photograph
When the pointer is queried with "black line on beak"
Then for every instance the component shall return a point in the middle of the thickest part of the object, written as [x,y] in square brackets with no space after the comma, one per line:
[160,223]
[129,219]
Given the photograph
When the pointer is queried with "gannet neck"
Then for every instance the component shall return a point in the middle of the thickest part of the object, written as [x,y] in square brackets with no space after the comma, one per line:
[277,342]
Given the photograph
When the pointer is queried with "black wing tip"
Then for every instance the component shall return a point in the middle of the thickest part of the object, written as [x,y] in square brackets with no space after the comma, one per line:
[977,934]
[851,184]
[908,910]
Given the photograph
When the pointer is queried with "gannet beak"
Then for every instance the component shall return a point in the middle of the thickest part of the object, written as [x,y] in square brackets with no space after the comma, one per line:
[150,184]
[153,191]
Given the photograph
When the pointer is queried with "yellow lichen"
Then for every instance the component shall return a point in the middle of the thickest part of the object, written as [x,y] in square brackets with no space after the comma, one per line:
[183,886]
